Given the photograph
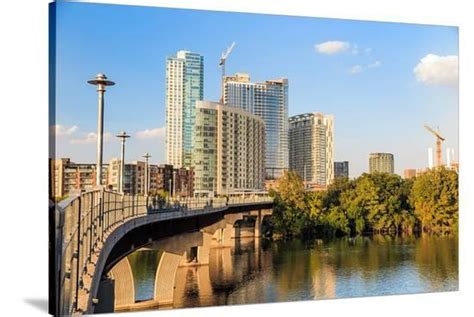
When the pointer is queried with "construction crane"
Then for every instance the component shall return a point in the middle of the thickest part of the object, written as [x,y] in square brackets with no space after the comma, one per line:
[439,140]
[224,57]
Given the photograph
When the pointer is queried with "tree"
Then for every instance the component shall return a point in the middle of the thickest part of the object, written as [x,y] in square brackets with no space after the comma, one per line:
[434,197]
[289,213]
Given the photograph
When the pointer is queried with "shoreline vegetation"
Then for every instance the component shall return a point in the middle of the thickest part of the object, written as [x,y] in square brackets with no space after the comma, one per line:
[377,203]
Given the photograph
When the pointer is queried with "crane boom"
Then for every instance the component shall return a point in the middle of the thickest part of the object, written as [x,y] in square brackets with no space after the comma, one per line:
[226,54]
[434,132]
[224,57]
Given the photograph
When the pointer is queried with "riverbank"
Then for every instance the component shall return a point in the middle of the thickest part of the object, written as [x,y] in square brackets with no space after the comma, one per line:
[377,202]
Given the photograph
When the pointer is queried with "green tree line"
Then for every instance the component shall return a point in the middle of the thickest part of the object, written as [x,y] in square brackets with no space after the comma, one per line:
[376,202]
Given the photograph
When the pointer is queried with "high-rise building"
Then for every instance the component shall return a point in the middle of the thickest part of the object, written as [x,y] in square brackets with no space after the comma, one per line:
[229,149]
[381,163]
[268,100]
[184,86]
[341,169]
[312,147]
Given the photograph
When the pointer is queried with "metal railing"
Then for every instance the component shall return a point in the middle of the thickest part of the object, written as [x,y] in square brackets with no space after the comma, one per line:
[86,220]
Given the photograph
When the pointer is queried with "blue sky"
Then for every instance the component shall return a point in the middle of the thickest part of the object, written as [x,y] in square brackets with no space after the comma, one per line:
[362,73]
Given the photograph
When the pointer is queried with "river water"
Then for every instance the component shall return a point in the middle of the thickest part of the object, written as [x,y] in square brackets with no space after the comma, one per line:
[262,271]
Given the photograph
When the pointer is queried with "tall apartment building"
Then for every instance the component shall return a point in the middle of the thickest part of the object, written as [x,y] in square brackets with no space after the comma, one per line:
[341,169]
[269,101]
[312,147]
[69,176]
[229,150]
[184,86]
[381,163]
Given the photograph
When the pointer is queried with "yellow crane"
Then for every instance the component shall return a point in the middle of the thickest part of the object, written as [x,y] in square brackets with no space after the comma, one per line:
[439,140]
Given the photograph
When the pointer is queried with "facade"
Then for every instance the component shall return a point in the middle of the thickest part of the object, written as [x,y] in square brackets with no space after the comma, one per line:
[184,86]
[229,150]
[381,163]
[269,101]
[134,178]
[312,148]
[409,173]
[183,182]
[69,176]
[341,169]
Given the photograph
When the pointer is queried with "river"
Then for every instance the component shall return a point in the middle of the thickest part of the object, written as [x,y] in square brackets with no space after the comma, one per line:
[263,271]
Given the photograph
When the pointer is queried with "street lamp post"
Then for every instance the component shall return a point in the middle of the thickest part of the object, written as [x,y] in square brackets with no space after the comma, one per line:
[146,156]
[123,136]
[101,82]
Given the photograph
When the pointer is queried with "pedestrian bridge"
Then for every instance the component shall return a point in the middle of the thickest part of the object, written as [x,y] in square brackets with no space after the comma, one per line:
[96,230]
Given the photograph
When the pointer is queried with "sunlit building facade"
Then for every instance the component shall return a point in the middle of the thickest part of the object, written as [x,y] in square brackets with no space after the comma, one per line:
[269,101]
[184,86]
[381,163]
[229,149]
[312,147]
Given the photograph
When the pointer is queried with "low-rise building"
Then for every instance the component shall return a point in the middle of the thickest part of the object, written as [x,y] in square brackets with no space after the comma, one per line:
[69,177]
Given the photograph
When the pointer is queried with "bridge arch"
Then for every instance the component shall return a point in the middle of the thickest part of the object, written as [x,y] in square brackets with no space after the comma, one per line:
[99,229]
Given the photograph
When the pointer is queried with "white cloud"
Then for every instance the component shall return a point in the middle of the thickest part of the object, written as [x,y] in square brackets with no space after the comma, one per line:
[438,70]
[60,130]
[151,133]
[356,69]
[331,47]
[90,138]
[375,64]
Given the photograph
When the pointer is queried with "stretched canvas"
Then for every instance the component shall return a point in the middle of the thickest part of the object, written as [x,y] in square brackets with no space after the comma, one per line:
[202,158]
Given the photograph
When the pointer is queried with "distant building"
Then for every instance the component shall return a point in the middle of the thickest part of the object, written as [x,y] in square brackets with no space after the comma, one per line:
[312,148]
[69,176]
[269,101]
[341,169]
[134,178]
[381,163]
[229,149]
[409,173]
[162,177]
[184,182]
[184,86]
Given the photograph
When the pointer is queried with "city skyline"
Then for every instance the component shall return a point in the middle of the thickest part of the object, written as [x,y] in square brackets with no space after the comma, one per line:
[344,65]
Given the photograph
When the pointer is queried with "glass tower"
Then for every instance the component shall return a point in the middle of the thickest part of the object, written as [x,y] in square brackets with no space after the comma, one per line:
[184,86]
[269,101]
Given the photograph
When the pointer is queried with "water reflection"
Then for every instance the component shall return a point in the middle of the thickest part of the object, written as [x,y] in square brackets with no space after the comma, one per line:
[257,271]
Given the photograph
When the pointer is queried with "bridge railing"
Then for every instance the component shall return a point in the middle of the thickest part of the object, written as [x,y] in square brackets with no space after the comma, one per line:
[85,221]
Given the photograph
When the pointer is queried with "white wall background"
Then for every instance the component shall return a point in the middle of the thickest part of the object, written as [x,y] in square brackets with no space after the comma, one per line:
[23,154]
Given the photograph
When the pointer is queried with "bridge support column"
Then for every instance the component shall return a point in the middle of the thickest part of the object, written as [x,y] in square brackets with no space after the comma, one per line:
[106,296]
[203,251]
[165,278]
[258,224]
[124,285]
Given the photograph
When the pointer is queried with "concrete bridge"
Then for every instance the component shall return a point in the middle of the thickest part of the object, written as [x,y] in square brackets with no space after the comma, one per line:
[96,230]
